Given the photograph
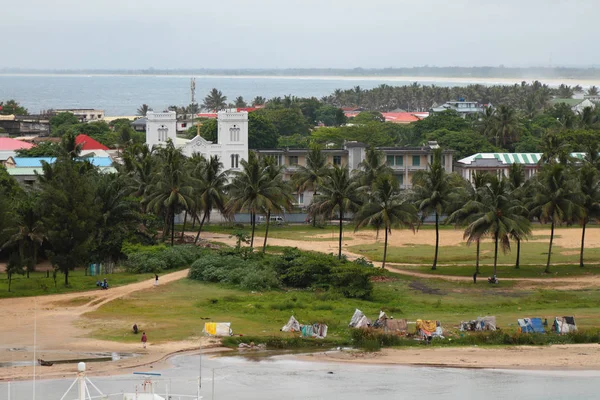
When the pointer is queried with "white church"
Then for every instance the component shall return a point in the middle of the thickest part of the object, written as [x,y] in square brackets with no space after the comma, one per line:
[232,138]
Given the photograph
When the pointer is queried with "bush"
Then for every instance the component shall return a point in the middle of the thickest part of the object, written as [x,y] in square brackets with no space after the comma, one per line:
[140,263]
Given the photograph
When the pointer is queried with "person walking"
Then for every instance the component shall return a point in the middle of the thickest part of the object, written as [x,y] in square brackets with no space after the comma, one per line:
[155,279]
[144,339]
[475,277]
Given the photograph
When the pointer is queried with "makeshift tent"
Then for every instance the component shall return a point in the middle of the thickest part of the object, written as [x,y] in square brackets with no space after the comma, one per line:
[479,324]
[427,328]
[564,325]
[292,325]
[531,325]
[317,331]
[217,329]
[359,320]
[390,325]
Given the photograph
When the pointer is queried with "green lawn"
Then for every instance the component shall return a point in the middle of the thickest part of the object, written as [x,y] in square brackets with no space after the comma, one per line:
[178,310]
[39,285]
[294,232]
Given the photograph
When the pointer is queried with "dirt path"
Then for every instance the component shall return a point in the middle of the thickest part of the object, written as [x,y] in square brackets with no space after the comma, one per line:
[59,337]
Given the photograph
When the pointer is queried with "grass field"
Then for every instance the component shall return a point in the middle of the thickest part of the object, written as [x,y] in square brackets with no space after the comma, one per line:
[38,284]
[178,310]
[294,232]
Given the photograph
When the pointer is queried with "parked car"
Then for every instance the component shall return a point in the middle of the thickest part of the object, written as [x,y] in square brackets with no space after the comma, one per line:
[276,219]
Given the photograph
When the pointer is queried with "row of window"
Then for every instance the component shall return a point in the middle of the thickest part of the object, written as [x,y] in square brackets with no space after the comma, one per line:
[293,160]
[398,161]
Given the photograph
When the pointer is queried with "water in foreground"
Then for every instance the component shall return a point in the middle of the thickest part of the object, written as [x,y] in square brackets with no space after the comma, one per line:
[284,377]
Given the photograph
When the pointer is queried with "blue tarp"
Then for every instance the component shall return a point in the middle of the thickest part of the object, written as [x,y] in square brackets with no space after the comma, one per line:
[531,325]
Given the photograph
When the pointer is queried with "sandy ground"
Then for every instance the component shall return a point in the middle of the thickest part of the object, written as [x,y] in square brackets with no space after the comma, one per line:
[60,338]
[561,357]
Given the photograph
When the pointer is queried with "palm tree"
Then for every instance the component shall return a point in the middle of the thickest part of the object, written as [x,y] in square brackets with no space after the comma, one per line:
[516,180]
[26,232]
[592,91]
[590,200]
[284,200]
[433,191]
[387,208]
[311,175]
[464,215]
[170,190]
[587,117]
[252,190]
[215,100]
[240,102]
[497,214]
[209,192]
[143,110]
[565,91]
[192,108]
[373,166]
[555,199]
[259,101]
[339,193]
[506,125]
[554,150]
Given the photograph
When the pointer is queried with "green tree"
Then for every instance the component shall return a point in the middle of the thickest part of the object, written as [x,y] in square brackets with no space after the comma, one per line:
[592,91]
[506,127]
[589,185]
[258,101]
[295,141]
[555,199]
[42,149]
[287,121]
[70,214]
[8,185]
[372,167]
[12,107]
[311,175]
[433,190]
[252,190]
[143,110]
[331,116]
[464,143]
[215,100]
[262,134]
[283,201]
[366,117]
[209,130]
[14,266]
[338,194]
[240,102]
[388,208]
[498,215]
[170,191]
[64,118]
[516,179]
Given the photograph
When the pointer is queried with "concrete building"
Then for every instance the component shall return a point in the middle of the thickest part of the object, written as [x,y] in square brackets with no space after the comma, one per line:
[232,138]
[23,125]
[499,163]
[84,114]
[462,107]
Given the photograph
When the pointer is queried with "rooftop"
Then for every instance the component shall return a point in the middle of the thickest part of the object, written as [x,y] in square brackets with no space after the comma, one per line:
[570,102]
[89,143]
[510,158]
[13,144]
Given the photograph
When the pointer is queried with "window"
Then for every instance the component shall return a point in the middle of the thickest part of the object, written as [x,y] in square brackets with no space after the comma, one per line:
[232,161]
[431,159]
[292,160]
[401,179]
[237,160]
[184,124]
[416,161]
[300,198]
[234,134]
[390,161]
[400,160]
[337,160]
[279,159]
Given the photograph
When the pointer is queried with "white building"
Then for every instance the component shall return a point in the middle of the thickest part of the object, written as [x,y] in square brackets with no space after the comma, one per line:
[232,138]
[462,107]
[84,114]
[576,105]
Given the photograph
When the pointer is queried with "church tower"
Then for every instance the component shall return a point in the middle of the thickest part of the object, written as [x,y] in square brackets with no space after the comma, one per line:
[233,137]
[160,127]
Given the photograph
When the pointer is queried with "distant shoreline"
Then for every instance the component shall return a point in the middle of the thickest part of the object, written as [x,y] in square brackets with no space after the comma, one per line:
[343,78]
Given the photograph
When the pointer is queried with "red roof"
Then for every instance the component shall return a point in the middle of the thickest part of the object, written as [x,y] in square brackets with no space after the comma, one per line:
[89,143]
[403,117]
[13,144]
[206,115]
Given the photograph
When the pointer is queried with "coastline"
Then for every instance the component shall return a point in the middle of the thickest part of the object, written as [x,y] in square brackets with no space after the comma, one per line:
[572,357]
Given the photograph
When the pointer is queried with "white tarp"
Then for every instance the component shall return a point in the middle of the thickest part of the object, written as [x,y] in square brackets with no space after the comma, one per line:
[292,325]
[217,329]
[359,320]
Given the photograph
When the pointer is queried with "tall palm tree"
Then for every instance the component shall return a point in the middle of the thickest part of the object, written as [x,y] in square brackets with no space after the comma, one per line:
[26,232]
[170,190]
[587,117]
[433,191]
[554,150]
[143,110]
[388,208]
[259,101]
[590,200]
[240,102]
[592,91]
[555,199]
[565,91]
[284,200]
[252,190]
[339,194]
[311,176]
[516,180]
[497,214]
[373,166]
[209,191]
[506,126]
[465,214]
[215,100]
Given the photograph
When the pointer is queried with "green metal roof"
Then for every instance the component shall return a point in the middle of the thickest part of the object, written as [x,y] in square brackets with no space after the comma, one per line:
[570,102]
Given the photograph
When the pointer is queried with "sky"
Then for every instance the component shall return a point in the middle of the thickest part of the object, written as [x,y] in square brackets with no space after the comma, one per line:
[132,34]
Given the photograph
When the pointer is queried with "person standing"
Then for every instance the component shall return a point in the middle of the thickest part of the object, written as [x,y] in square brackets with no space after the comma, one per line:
[475,277]
[155,279]
[144,339]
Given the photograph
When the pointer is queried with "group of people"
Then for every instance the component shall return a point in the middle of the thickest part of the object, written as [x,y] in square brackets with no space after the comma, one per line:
[491,279]
[144,337]
[102,285]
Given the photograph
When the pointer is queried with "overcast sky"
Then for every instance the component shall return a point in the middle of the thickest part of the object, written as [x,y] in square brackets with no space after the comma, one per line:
[74,34]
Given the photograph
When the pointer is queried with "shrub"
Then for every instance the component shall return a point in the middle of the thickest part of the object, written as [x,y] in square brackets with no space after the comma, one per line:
[130,248]
[352,281]
[144,263]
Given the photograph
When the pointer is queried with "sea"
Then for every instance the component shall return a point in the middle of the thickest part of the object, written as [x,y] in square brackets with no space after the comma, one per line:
[121,95]
[233,378]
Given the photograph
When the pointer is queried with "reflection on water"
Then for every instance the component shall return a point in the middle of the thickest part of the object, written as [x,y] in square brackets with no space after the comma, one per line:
[284,377]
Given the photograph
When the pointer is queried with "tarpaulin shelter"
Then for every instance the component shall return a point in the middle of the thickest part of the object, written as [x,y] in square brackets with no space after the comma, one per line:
[429,328]
[531,325]
[292,325]
[317,331]
[564,325]
[359,320]
[390,325]
[217,329]
[479,324]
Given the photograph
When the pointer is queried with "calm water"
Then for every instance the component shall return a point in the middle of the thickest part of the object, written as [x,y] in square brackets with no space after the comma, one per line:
[284,377]
[122,95]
